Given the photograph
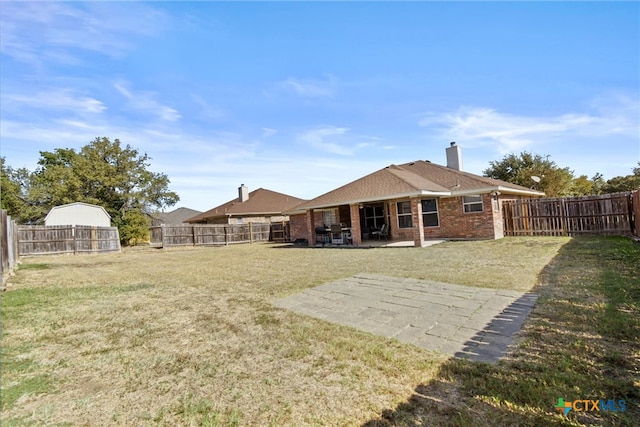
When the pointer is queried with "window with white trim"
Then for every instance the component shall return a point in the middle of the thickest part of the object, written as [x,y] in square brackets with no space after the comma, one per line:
[472,203]
[430,213]
[404,215]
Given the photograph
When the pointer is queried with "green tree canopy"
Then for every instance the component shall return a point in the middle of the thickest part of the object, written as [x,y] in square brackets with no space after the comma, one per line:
[15,194]
[623,183]
[103,173]
[519,169]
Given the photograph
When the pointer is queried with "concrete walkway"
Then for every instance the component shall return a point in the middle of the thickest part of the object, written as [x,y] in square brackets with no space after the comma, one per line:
[473,323]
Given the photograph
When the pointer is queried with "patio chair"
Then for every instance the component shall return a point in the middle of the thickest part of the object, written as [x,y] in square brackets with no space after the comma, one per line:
[336,234]
[346,235]
[383,232]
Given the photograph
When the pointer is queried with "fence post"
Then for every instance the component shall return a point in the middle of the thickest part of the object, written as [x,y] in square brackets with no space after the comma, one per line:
[636,211]
[251,232]
[94,239]
[226,236]
[563,217]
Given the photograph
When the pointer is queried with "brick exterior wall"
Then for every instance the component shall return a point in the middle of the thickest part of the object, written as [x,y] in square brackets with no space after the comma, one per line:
[298,227]
[454,223]
[354,212]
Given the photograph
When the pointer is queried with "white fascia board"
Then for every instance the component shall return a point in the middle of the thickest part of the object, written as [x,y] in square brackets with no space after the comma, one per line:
[500,188]
[253,213]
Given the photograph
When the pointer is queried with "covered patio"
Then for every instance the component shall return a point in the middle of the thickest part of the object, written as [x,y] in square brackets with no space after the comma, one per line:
[412,202]
[367,223]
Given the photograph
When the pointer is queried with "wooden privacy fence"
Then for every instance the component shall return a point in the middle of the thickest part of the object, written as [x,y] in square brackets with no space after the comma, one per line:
[217,234]
[611,214]
[9,243]
[63,239]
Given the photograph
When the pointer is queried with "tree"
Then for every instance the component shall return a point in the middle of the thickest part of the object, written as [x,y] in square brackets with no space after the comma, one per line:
[15,197]
[624,183]
[582,186]
[56,180]
[519,169]
[103,173]
[598,184]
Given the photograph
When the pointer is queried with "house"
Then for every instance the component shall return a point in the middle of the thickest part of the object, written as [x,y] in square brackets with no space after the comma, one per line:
[78,214]
[261,205]
[413,201]
[177,216]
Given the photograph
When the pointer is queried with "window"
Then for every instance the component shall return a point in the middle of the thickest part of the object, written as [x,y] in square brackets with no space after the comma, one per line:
[374,216]
[404,215]
[430,213]
[472,203]
[329,217]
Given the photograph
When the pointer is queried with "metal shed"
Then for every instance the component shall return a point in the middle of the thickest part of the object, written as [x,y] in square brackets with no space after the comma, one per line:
[78,214]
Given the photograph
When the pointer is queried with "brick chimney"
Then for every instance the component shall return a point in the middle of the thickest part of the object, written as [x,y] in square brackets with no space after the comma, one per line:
[243,193]
[454,157]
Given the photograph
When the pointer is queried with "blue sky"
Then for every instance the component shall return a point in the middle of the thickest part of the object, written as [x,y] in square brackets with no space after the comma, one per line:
[302,97]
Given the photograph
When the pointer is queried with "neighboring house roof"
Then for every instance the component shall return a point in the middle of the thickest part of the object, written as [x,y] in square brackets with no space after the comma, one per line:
[260,202]
[419,178]
[177,216]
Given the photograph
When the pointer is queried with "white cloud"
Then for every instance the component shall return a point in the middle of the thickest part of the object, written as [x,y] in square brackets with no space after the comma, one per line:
[311,88]
[208,111]
[337,140]
[481,126]
[146,102]
[40,32]
[268,132]
[55,99]
[327,139]
[120,87]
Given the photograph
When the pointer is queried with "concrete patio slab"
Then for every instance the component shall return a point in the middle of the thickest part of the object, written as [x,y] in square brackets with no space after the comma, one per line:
[472,323]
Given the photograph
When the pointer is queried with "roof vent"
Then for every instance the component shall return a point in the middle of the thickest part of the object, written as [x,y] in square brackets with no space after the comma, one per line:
[454,157]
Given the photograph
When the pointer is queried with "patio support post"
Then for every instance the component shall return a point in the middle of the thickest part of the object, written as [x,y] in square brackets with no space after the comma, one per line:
[416,217]
[311,230]
[356,235]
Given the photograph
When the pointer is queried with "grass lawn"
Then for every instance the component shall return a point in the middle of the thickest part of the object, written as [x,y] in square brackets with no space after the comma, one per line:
[188,336]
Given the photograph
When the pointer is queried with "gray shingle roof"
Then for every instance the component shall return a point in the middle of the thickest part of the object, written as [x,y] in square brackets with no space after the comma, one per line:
[260,202]
[177,216]
[412,179]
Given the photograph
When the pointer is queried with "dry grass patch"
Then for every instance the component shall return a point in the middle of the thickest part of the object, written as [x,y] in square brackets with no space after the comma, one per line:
[188,336]
[581,341]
